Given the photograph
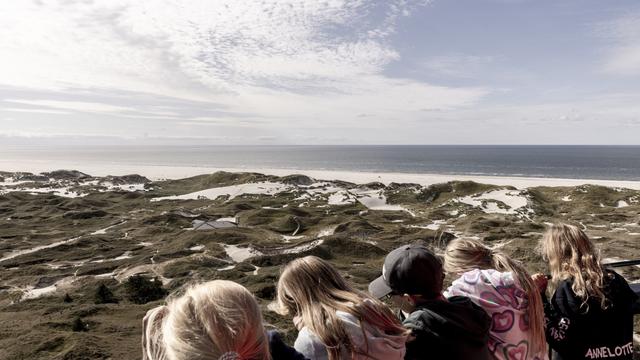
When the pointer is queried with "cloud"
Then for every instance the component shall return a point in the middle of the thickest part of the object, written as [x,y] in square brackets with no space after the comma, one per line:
[279,62]
[623,52]
[458,65]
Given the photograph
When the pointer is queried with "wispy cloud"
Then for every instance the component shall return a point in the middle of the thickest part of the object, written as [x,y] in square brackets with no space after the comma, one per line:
[280,60]
[623,52]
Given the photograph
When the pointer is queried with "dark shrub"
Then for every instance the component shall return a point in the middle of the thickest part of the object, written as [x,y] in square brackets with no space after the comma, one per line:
[104,295]
[67,299]
[141,290]
[79,325]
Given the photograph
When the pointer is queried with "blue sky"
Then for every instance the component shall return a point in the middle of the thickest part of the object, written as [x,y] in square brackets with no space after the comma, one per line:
[320,72]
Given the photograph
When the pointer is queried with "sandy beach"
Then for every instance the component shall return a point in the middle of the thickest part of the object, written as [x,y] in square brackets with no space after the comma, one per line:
[177,172]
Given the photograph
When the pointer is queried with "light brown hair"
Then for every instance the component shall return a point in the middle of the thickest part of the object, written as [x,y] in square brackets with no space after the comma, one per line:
[462,255]
[312,289]
[572,256]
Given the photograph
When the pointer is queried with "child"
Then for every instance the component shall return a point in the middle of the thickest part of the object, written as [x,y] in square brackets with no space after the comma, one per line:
[441,328]
[335,320]
[504,289]
[217,320]
[590,315]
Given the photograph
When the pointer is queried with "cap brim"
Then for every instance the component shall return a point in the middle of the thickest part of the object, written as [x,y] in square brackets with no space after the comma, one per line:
[378,288]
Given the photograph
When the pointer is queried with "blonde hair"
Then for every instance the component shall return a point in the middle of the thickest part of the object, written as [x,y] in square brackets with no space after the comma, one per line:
[212,319]
[152,346]
[312,289]
[462,255]
[572,256]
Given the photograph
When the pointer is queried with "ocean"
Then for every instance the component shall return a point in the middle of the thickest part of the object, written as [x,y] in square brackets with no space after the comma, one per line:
[573,162]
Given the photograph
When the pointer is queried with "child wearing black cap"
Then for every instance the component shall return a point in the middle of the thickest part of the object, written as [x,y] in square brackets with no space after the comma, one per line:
[441,328]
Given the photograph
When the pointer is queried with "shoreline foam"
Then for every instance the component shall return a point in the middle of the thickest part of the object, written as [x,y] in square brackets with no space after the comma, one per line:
[157,172]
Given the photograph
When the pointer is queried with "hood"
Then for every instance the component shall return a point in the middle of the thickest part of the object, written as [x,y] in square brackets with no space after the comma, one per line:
[370,342]
[457,320]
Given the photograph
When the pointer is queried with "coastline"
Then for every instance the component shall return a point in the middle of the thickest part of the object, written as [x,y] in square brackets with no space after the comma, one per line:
[157,172]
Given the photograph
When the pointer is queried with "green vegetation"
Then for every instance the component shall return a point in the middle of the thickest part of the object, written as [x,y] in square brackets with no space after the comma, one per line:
[127,252]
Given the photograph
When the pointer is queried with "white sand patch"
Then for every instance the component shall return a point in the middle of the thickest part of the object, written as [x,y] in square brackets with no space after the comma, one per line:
[302,248]
[597,226]
[288,238]
[62,191]
[435,225]
[262,188]
[255,272]
[327,231]
[13,254]
[500,202]
[397,221]
[105,275]
[454,212]
[129,187]
[341,197]
[622,204]
[145,243]
[566,198]
[230,267]
[197,248]
[238,254]
[304,196]
[104,231]
[633,233]
[33,293]
[232,219]
[126,255]
[371,242]
[375,200]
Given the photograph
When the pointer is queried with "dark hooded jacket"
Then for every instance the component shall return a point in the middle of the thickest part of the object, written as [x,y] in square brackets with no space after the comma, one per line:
[453,329]
[586,331]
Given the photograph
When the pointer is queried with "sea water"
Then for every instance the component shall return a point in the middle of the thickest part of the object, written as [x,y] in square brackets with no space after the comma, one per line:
[577,162]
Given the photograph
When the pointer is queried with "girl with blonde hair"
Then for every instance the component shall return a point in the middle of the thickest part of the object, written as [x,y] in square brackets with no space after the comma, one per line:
[217,320]
[335,320]
[504,289]
[590,314]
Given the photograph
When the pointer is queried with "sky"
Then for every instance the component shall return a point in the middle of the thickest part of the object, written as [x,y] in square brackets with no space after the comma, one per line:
[320,72]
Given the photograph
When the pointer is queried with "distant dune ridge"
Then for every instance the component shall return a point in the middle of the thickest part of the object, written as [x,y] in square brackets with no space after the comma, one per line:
[65,233]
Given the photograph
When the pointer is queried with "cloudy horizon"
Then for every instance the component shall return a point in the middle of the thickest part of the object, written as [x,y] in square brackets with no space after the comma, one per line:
[320,72]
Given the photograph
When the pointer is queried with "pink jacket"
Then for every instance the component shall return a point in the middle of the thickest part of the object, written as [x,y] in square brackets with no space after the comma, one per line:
[504,300]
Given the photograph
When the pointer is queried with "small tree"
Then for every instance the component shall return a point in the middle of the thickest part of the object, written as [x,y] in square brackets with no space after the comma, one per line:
[141,290]
[104,295]
[79,325]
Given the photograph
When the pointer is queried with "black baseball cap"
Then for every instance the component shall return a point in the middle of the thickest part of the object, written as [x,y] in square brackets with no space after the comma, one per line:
[409,269]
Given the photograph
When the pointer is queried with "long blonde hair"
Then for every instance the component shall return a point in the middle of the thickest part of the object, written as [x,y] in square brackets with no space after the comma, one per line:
[462,255]
[212,319]
[312,289]
[152,345]
[572,256]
